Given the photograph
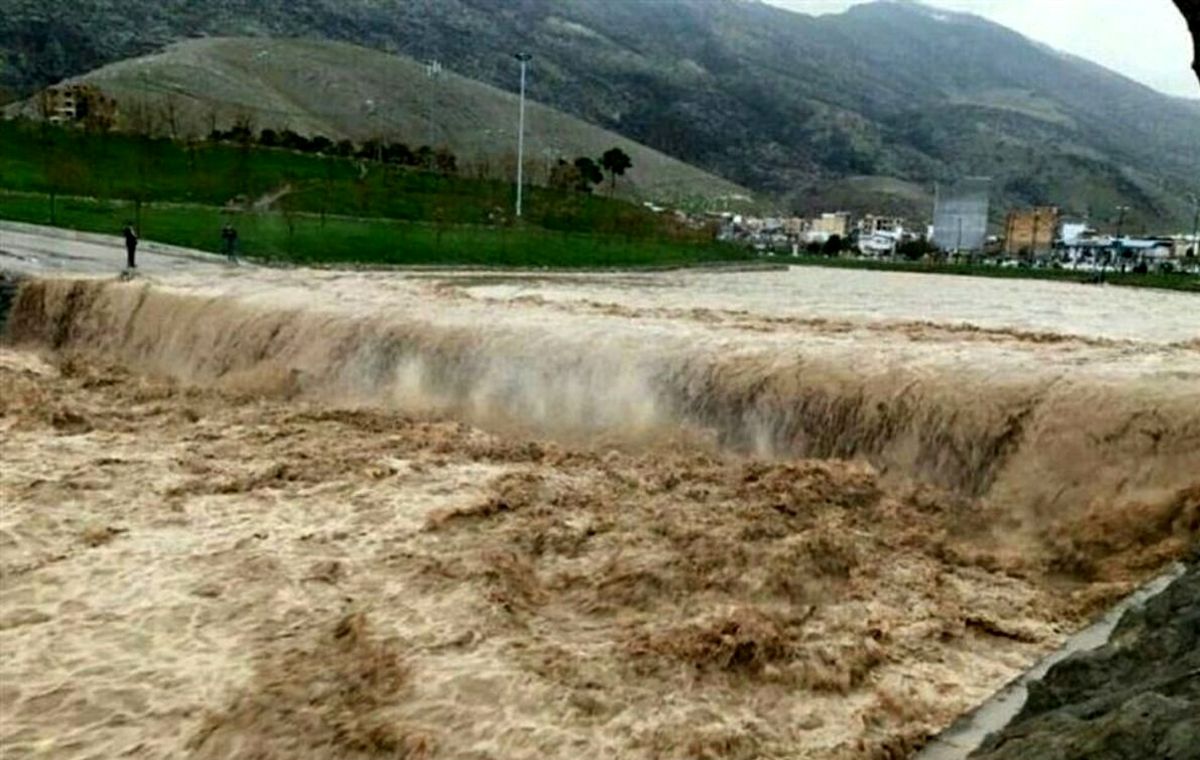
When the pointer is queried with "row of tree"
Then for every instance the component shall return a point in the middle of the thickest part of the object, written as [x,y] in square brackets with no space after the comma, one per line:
[397,153]
[584,173]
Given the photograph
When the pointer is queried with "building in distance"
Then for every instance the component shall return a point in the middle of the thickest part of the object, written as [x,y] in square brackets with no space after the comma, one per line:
[1028,231]
[77,104]
[960,214]
[827,225]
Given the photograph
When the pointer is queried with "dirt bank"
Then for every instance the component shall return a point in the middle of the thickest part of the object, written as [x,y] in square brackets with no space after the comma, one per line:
[1136,697]
[233,574]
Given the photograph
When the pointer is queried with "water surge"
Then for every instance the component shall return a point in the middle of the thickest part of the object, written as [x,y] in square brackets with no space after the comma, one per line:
[1045,442]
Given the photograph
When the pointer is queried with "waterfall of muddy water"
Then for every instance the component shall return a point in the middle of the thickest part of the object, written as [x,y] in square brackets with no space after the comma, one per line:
[1027,417]
[808,514]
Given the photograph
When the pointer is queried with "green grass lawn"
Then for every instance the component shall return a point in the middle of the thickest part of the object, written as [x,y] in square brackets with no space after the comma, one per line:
[333,210]
[44,159]
[1184,282]
[307,239]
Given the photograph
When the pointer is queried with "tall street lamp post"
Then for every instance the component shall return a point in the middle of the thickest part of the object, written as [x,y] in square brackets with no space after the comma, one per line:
[432,71]
[524,59]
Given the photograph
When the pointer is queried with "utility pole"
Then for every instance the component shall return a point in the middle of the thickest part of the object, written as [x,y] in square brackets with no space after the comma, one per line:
[1196,228]
[432,70]
[524,59]
[1036,219]
[1121,229]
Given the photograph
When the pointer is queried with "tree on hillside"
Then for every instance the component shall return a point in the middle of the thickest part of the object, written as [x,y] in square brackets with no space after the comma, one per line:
[344,149]
[371,150]
[590,174]
[615,161]
[242,131]
[320,144]
[564,176]
[445,161]
[268,138]
[424,156]
[293,141]
[393,153]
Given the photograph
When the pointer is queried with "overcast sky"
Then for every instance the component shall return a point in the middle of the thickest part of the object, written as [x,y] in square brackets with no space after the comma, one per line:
[1146,40]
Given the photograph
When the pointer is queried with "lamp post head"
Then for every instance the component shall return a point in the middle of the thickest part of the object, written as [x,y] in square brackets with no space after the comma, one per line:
[523,57]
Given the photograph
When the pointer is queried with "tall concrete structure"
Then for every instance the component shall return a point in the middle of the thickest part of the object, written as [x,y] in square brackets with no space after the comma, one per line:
[960,214]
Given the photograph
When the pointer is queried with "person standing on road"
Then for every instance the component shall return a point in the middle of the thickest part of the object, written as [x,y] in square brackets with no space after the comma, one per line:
[131,243]
[229,241]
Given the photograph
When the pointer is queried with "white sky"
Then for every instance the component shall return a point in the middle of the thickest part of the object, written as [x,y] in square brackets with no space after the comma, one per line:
[1146,40]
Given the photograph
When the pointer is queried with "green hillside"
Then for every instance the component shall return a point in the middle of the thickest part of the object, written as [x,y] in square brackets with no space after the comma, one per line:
[773,100]
[347,92]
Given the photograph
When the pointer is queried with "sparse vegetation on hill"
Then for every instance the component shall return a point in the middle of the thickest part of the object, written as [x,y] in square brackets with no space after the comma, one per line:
[299,91]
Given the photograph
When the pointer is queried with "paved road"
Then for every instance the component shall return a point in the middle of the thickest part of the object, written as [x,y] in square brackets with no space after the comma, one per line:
[32,249]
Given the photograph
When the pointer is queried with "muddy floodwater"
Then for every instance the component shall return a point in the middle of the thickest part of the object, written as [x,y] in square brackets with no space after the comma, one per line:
[792,514]
[880,297]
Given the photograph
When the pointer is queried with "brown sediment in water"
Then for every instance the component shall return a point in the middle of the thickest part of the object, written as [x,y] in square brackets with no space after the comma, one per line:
[1051,438]
[824,564]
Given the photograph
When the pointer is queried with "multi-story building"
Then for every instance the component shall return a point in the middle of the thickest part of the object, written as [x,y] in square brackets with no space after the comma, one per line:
[797,226]
[828,225]
[871,225]
[72,103]
[1028,231]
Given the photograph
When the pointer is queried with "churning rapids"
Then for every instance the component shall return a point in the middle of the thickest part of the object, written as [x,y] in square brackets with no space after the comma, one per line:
[798,513]
[1051,398]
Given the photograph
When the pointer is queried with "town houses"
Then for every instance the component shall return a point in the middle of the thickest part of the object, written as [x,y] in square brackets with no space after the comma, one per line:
[1039,237]
[830,232]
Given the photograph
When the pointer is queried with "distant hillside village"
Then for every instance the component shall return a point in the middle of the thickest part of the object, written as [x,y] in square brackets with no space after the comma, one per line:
[1037,237]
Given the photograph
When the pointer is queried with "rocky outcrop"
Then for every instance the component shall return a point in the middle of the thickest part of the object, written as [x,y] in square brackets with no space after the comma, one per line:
[1137,697]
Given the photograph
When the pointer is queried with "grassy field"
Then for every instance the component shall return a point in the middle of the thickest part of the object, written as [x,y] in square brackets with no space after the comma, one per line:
[306,238]
[127,167]
[1183,282]
[312,209]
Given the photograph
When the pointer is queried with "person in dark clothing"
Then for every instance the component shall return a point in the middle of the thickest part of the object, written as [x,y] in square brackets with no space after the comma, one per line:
[229,240]
[131,242]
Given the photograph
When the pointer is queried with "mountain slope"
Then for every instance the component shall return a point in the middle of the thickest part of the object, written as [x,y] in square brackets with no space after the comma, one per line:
[810,108]
[343,91]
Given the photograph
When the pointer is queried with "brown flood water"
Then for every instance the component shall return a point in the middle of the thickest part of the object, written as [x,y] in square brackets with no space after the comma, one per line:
[799,514]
